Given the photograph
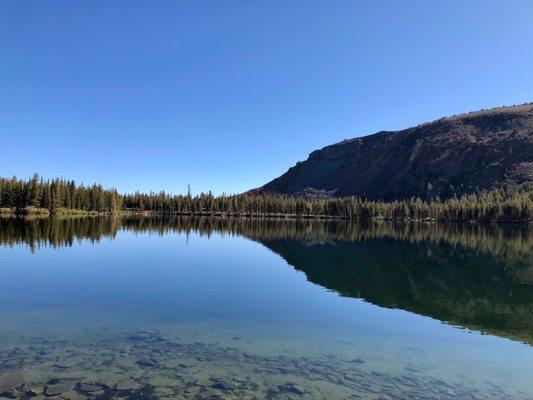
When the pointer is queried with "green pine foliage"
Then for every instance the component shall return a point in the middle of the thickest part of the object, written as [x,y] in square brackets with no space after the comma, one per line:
[59,196]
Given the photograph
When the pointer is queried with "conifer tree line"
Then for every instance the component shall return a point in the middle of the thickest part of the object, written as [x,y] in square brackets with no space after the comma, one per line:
[56,196]
[511,204]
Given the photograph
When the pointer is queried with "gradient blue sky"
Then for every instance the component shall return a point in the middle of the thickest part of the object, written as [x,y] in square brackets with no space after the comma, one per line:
[226,95]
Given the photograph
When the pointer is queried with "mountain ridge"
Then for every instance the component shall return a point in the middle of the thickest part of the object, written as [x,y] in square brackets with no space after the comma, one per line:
[450,156]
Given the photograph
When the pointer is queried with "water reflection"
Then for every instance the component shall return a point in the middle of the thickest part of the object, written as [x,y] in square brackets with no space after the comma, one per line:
[475,276]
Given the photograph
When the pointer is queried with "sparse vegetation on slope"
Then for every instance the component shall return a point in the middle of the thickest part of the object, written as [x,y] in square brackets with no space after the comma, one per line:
[450,157]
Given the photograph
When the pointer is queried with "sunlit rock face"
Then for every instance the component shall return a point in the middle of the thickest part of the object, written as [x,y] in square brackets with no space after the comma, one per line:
[450,156]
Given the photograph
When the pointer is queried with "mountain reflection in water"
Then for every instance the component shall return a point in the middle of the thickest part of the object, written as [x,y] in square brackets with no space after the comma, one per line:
[475,276]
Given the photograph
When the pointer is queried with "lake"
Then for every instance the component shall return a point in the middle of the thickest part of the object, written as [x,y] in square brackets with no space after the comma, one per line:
[206,308]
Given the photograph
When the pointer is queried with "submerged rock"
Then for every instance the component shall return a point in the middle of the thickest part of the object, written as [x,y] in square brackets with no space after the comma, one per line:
[34,391]
[11,380]
[58,388]
[72,395]
[224,384]
[64,365]
[145,362]
[211,393]
[127,384]
[291,387]
[204,382]
[86,387]
[12,394]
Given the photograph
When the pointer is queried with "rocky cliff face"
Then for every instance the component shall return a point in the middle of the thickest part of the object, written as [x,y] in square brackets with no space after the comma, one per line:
[459,154]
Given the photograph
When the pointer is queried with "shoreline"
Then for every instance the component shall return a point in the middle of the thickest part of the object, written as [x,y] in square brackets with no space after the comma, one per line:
[219,214]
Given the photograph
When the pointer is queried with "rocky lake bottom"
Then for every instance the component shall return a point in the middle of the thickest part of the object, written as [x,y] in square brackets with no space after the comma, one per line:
[149,365]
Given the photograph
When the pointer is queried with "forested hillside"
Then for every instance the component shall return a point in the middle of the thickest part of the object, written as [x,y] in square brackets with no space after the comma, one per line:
[57,196]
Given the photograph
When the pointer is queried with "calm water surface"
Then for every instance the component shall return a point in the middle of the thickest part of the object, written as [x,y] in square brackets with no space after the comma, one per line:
[238,309]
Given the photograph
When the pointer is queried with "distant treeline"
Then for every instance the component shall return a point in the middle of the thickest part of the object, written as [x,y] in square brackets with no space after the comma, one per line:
[58,196]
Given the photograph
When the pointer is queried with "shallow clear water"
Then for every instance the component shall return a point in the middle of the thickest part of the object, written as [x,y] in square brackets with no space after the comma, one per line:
[180,308]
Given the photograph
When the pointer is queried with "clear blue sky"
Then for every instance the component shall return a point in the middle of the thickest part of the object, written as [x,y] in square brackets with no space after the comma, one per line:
[226,95]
